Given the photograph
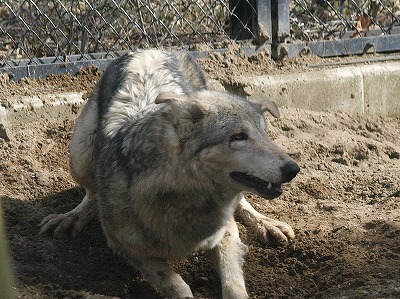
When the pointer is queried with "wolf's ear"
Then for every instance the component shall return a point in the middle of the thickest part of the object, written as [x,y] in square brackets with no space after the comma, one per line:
[186,112]
[266,105]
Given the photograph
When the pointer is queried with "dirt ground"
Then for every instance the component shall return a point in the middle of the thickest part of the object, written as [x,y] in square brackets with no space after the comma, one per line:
[344,205]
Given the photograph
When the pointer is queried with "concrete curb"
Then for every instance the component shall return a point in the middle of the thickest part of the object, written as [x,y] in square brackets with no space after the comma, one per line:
[56,108]
[373,89]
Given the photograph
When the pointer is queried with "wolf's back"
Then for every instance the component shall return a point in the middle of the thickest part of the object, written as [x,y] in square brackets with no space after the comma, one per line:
[131,84]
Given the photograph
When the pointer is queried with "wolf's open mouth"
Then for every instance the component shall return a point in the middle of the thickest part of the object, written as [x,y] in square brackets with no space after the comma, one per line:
[262,188]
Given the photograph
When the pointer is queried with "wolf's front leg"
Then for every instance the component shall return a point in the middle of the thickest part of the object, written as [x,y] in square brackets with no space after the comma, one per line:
[228,256]
[75,219]
[264,227]
[169,283]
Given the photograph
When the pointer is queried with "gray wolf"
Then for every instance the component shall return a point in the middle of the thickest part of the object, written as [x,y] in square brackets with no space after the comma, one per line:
[164,161]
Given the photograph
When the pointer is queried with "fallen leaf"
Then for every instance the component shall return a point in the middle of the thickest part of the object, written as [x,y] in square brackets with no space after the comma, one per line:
[362,26]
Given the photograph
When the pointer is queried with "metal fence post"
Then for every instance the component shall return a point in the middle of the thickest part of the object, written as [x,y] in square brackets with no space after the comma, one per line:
[280,28]
[264,22]
[251,19]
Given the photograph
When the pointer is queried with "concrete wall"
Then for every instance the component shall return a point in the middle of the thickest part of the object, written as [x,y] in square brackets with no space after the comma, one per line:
[371,89]
[56,108]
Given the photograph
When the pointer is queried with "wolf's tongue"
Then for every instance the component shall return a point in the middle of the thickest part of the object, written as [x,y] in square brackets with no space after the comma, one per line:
[262,188]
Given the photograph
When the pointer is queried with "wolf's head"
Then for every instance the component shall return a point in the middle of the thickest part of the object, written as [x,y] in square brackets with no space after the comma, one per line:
[226,137]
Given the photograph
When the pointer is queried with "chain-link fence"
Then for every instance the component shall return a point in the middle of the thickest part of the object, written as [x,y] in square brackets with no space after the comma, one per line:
[327,20]
[63,27]
[36,33]
[31,29]
[344,27]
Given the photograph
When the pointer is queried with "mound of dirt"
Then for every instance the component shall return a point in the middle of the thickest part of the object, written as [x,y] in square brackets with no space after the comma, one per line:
[344,207]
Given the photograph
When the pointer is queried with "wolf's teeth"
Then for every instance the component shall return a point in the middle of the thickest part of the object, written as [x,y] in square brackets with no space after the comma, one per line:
[269,185]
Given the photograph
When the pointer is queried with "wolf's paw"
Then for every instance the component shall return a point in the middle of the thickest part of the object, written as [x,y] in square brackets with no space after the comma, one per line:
[234,290]
[269,229]
[61,224]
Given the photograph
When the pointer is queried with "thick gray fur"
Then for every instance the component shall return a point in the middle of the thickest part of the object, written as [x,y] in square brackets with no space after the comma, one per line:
[164,161]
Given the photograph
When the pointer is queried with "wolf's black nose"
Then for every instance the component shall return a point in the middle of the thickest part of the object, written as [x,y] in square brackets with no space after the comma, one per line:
[289,170]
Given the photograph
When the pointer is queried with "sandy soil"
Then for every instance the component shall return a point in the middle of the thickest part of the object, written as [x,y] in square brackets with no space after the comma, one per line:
[344,206]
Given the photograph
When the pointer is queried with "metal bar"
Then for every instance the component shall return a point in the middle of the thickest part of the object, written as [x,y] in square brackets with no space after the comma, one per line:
[53,65]
[43,70]
[264,22]
[346,47]
[280,20]
[63,59]
[42,67]
[280,27]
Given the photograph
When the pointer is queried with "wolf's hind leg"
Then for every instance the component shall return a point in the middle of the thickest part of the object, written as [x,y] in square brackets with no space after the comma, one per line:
[228,257]
[264,227]
[167,281]
[73,220]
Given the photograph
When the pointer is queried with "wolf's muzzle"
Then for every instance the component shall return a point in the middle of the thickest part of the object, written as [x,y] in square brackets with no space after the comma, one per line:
[289,171]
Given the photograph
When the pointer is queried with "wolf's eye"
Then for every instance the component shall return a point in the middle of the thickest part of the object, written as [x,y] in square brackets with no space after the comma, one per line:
[238,137]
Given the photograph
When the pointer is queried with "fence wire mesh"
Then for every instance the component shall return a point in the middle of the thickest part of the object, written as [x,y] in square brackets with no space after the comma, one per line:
[324,20]
[58,28]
